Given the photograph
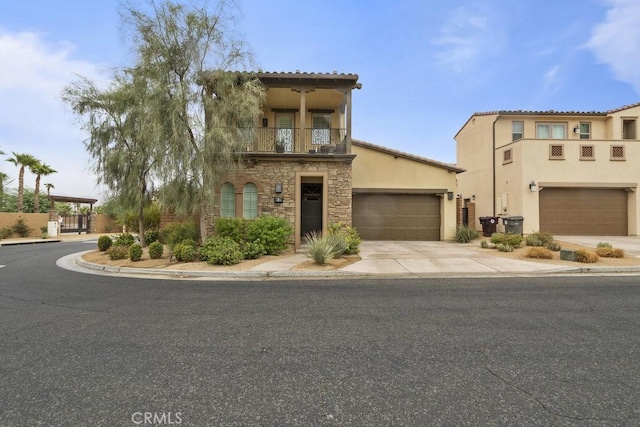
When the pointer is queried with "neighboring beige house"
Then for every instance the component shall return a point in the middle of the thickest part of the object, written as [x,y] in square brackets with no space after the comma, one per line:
[572,173]
[301,163]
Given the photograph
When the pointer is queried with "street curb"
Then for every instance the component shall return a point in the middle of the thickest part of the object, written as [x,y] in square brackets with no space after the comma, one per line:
[30,242]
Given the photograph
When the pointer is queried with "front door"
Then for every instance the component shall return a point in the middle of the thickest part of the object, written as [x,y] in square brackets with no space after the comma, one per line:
[285,132]
[311,208]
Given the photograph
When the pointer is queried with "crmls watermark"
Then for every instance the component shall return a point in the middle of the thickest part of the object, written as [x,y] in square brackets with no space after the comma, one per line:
[156,418]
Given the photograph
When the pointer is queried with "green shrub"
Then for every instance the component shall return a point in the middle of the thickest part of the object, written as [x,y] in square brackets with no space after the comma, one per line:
[553,246]
[321,248]
[118,252]
[156,249]
[349,235]
[586,256]
[186,251]
[21,228]
[539,238]
[539,253]
[176,232]
[6,232]
[484,244]
[604,245]
[252,250]
[151,236]
[124,239]
[513,240]
[504,247]
[465,234]
[221,251]
[135,252]
[235,228]
[104,243]
[610,252]
[272,232]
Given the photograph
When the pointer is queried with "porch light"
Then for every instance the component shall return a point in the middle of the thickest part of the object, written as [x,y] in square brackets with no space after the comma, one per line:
[576,129]
[533,187]
[450,195]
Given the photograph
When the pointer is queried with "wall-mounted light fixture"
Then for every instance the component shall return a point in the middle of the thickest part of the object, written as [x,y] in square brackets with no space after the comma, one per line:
[473,198]
[533,187]
[278,188]
[450,195]
[576,129]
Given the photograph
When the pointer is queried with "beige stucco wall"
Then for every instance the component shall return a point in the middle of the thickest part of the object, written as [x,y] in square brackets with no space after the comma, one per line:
[382,170]
[33,220]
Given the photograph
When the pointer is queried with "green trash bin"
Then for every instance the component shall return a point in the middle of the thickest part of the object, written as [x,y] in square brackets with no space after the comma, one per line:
[513,224]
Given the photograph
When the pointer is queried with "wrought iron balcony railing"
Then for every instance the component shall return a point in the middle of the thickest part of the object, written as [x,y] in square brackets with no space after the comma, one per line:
[294,140]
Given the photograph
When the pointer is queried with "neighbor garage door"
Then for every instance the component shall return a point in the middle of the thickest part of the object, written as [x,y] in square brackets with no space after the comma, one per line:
[582,211]
[397,216]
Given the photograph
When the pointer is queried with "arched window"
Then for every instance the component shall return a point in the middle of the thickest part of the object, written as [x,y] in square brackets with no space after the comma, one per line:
[227,201]
[250,201]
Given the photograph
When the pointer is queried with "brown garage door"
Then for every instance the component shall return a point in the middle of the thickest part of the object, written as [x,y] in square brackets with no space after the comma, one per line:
[582,211]
[397,216]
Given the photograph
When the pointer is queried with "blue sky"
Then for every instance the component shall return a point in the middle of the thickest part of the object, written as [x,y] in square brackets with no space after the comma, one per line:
[425,66]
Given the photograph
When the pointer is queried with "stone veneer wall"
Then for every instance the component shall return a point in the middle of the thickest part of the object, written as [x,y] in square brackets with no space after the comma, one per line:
[265,173]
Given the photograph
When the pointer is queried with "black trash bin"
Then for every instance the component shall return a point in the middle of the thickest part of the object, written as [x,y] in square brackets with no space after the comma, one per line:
[513,224]
[488,225]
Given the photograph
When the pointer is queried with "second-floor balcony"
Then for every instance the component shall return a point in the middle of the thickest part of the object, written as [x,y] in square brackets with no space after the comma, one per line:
[294,140]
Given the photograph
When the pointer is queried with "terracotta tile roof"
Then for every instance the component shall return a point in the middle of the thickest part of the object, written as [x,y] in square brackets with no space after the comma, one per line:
[448,166]
[624,107]
[297,73]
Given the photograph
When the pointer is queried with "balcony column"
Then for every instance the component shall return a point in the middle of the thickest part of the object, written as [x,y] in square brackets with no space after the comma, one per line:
[303,122]
[348,93]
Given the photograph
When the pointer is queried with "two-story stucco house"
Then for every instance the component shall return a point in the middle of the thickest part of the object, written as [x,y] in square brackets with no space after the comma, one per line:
[572,173]
[301,163]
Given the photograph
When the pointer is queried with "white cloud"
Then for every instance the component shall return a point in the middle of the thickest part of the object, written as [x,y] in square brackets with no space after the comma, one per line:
[552,81]
[616,41]
[33,118]
[466,36]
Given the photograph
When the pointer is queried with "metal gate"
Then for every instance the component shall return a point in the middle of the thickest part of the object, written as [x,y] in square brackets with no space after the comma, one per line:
[74,224]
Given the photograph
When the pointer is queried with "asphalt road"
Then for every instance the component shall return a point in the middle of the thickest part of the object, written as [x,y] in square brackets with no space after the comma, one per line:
[79,350]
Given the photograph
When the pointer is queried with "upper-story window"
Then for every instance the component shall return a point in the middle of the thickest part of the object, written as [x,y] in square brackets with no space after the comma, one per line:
[551,130]
[320,134]
[585,130]
[517,130]
[629,129]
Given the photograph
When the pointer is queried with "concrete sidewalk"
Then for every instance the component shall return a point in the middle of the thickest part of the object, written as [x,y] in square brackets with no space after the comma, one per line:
[378,259]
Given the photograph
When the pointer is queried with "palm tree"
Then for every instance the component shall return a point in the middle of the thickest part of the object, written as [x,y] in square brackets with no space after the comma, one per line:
[22,160]
[39,169]
[49,187]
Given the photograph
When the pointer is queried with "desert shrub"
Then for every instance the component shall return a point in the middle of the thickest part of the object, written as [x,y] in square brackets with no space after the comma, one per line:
[104,243]
[124,239]
[6,232]
[135,252]
[604,245]
[586,256]
[21,228]
[186,251]
[502,247]
[44,229]
[156,249]
[220,250]
[118,252]
[539,238]
[484,244]
[151,236]
[349,235]
[235,228]
[465,234]
[539,253]
[553,246]
[176,232]
[271,231]
[320,248]
[252,250]
[610,252]
[513,240]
